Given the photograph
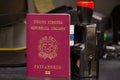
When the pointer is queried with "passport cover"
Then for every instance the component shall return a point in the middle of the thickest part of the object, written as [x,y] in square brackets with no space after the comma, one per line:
[48,48]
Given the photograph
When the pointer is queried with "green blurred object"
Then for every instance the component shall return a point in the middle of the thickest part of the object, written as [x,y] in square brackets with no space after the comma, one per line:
[105,37]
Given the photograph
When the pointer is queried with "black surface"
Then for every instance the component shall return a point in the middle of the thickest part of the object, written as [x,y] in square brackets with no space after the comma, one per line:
[109,70]
[18,73]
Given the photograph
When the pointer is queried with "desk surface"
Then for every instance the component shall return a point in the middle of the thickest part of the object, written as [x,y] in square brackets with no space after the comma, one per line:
[109,70]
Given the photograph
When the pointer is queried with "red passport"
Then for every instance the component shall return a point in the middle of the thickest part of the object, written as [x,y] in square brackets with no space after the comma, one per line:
[48,49]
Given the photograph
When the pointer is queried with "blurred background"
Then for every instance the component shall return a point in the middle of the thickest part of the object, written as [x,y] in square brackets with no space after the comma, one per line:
[14,36]
[13,26]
